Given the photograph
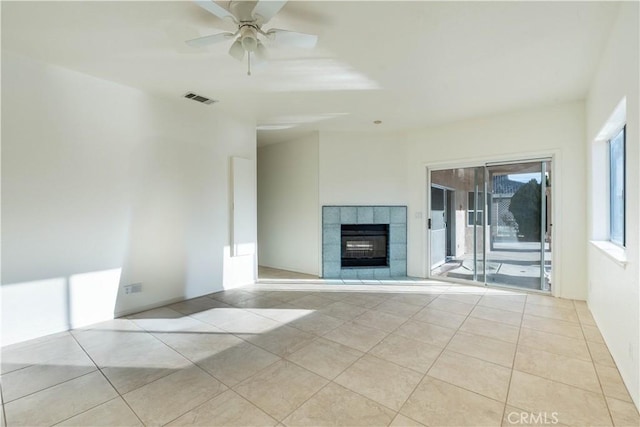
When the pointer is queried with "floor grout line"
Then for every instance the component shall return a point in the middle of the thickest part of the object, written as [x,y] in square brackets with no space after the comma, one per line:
[513,365]
[107,379]
[64,382]
[435,360]
[4,412]
[52,386]
[89,409]
[604,396]
[332,381]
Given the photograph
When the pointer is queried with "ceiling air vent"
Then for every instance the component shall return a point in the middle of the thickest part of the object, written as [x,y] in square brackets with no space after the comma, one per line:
[200,98]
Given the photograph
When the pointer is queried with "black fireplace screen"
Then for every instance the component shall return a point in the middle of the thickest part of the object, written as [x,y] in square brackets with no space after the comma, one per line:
[365,245]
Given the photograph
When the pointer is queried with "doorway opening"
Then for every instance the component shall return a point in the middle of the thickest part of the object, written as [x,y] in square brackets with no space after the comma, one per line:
[492,224]
[443,230]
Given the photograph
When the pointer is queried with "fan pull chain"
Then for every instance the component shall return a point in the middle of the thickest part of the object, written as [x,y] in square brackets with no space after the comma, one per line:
[248,63]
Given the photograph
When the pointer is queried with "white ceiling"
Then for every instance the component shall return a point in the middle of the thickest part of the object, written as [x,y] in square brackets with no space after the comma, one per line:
[409,64]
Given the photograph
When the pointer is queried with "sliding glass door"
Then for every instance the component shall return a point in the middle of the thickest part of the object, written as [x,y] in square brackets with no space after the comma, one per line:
[519,240]
[497,223]
[456,223]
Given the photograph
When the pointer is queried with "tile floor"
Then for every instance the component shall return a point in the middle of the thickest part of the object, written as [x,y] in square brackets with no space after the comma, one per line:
[298,351]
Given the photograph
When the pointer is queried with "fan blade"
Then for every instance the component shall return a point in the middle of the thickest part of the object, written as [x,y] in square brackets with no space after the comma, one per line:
[267,9]
[207,40]
[292,38]
[213,8]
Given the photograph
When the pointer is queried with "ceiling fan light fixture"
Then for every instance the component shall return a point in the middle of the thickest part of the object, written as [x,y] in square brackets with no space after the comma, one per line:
[249,44]
[249,38]
[237,50]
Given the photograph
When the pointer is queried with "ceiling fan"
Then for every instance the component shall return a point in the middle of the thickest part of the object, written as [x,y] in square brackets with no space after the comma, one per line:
[250,16]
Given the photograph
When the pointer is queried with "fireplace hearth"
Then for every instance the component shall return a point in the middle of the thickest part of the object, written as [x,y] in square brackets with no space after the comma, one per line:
[364,245]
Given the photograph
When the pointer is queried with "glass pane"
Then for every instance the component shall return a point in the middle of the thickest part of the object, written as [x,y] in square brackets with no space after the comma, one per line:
[514,253]
[437,199]
[616,149]
[454,235]
[475,216]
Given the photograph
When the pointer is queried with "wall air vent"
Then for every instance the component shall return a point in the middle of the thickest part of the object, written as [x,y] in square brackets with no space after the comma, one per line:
[199,98]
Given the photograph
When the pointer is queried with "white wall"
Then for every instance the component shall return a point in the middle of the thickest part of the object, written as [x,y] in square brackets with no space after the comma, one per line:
[614,289]
[363,168]
[296,178]
[557,131]
[104,186]
[288,212]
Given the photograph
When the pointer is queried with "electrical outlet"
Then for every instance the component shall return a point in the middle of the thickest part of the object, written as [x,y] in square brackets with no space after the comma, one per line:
[133,288]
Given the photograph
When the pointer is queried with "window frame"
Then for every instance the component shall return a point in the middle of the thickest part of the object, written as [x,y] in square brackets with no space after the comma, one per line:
[478,214]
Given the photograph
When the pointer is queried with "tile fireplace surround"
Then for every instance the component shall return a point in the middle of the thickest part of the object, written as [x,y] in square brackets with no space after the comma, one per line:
[334,216]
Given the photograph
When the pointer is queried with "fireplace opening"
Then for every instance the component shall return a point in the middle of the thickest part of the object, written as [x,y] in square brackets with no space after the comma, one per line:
[365,245]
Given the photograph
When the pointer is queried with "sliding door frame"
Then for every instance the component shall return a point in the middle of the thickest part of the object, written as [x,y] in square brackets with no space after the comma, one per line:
[556,194]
